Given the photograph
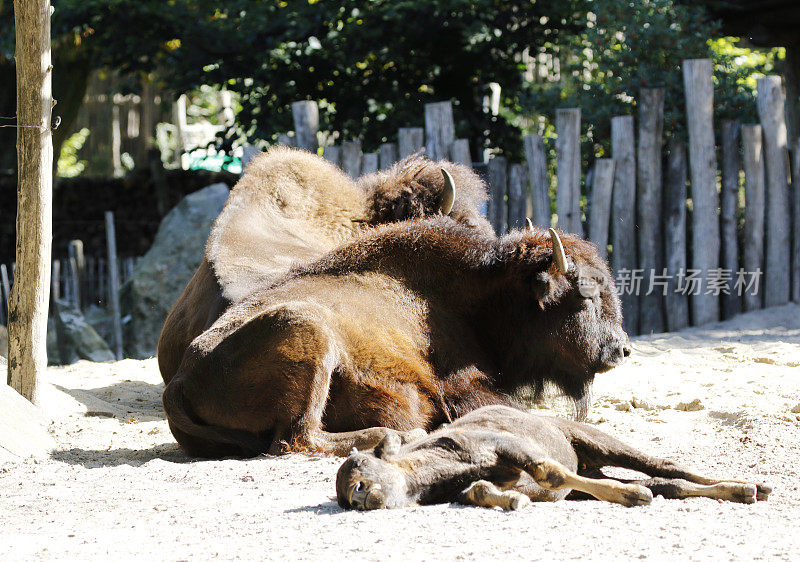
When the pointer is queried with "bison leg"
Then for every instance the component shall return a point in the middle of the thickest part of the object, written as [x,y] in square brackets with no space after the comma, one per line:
[340,444]
[679,489]
[596,449]
[486,494]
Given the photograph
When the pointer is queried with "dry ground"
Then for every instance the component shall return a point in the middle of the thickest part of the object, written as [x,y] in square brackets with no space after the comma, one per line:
[119,488]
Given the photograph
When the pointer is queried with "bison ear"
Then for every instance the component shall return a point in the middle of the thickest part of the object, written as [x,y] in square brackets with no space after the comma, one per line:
[541,287]
[389,446]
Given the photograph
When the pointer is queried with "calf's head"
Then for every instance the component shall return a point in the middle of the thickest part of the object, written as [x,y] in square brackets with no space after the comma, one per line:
[370,481]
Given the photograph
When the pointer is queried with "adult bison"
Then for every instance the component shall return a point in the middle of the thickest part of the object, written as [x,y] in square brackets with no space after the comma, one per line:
[291,207]
[503,457]
[408,326]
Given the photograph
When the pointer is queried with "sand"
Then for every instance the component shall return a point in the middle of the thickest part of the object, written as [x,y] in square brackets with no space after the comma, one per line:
[724,399]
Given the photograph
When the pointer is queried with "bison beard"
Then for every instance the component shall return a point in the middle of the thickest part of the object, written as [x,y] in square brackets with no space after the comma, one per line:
[408,326]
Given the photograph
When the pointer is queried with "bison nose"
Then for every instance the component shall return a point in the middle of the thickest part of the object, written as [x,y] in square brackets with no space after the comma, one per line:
[626,350]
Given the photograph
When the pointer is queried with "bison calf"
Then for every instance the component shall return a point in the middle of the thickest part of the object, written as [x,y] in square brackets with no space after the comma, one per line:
[498,456]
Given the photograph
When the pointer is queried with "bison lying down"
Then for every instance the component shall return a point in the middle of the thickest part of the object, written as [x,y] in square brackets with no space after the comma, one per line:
[503,457]
[409,326]
[291,207]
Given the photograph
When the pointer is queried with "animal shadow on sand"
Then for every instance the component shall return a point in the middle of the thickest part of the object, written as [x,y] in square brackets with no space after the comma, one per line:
[125,400]
[92,458]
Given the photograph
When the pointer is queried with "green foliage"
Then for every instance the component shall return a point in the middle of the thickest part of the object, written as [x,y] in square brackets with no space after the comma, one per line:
[69,162]
[631,45]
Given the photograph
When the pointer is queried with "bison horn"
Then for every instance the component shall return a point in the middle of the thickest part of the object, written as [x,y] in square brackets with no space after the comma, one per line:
[558,252]
[449,193]
[529,224]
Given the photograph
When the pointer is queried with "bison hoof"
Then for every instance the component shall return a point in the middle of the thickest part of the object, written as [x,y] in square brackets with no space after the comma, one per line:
[519,501]
[636,495]
[746,493]
[763,491]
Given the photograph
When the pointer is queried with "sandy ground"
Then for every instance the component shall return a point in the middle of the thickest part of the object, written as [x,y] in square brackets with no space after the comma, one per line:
[119,488]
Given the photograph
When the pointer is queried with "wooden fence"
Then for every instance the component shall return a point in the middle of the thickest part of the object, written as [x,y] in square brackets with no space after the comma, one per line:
[683,247]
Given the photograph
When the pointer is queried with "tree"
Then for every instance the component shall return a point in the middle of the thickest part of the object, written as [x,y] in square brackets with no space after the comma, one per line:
[27,334]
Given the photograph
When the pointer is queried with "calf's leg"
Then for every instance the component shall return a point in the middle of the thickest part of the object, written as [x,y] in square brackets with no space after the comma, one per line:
[485,494]
[596,449]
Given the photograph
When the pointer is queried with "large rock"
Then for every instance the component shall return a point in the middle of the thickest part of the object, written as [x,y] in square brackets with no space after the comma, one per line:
[76,339]
[162,274]
[23,429]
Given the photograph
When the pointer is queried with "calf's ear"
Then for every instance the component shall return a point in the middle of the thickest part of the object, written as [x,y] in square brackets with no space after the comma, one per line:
[389,445]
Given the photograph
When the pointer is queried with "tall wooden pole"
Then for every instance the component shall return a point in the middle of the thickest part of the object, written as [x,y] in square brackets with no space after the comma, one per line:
[27,328]
[699,87]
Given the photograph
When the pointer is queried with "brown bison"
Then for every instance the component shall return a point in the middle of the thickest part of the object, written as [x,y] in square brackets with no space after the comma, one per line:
[504,457]
[408,326]
[291,207]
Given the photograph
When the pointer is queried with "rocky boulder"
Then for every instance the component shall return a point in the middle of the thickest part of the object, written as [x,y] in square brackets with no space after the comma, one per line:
[75,337]
[162,274]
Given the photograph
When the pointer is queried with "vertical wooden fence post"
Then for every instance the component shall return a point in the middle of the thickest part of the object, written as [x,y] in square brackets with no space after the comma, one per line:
[540,183]
[623,225]
[796,223]
[568,154]
[772,115]
[440,131]
[306,124]
[699,88]
[459,152]
[410,140]
[728,215]
[387,155]
[676,303]
[600,208]
[369,163]
[754,176]
[28,305]
[517,196]
[498,186]
[351,158]
[113,275]
[77,266]
[649,206]
[332,154]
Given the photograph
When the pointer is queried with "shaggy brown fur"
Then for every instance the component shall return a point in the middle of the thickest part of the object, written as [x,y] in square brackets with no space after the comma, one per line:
[291,207]
[408,326]
[503,457]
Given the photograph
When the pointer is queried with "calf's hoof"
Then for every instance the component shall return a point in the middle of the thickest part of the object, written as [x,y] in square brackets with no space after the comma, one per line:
[519,501]
[634,495]
[763,491]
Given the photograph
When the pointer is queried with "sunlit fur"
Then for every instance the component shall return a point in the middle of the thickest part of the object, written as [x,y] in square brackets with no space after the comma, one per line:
[409,325]
[291,207]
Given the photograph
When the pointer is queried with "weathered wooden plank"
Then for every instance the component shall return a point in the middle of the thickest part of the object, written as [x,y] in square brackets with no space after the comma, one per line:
[600,207]
[305,115]
[497,212]
[699,89]
[517,196]
[333,154]
[568,159]
[77,269]
[387,155]
[754,211]
[28,305]
[771,113]
[410,140]
[55,281]
[540,184]
[796,223]
[369,163]
[351,158]
[623,217]
[729,211]
[649,206]
[676,303]
[113,275]
[459,152]
[440,131]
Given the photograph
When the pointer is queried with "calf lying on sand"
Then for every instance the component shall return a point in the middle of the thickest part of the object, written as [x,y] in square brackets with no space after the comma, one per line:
[498,456]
